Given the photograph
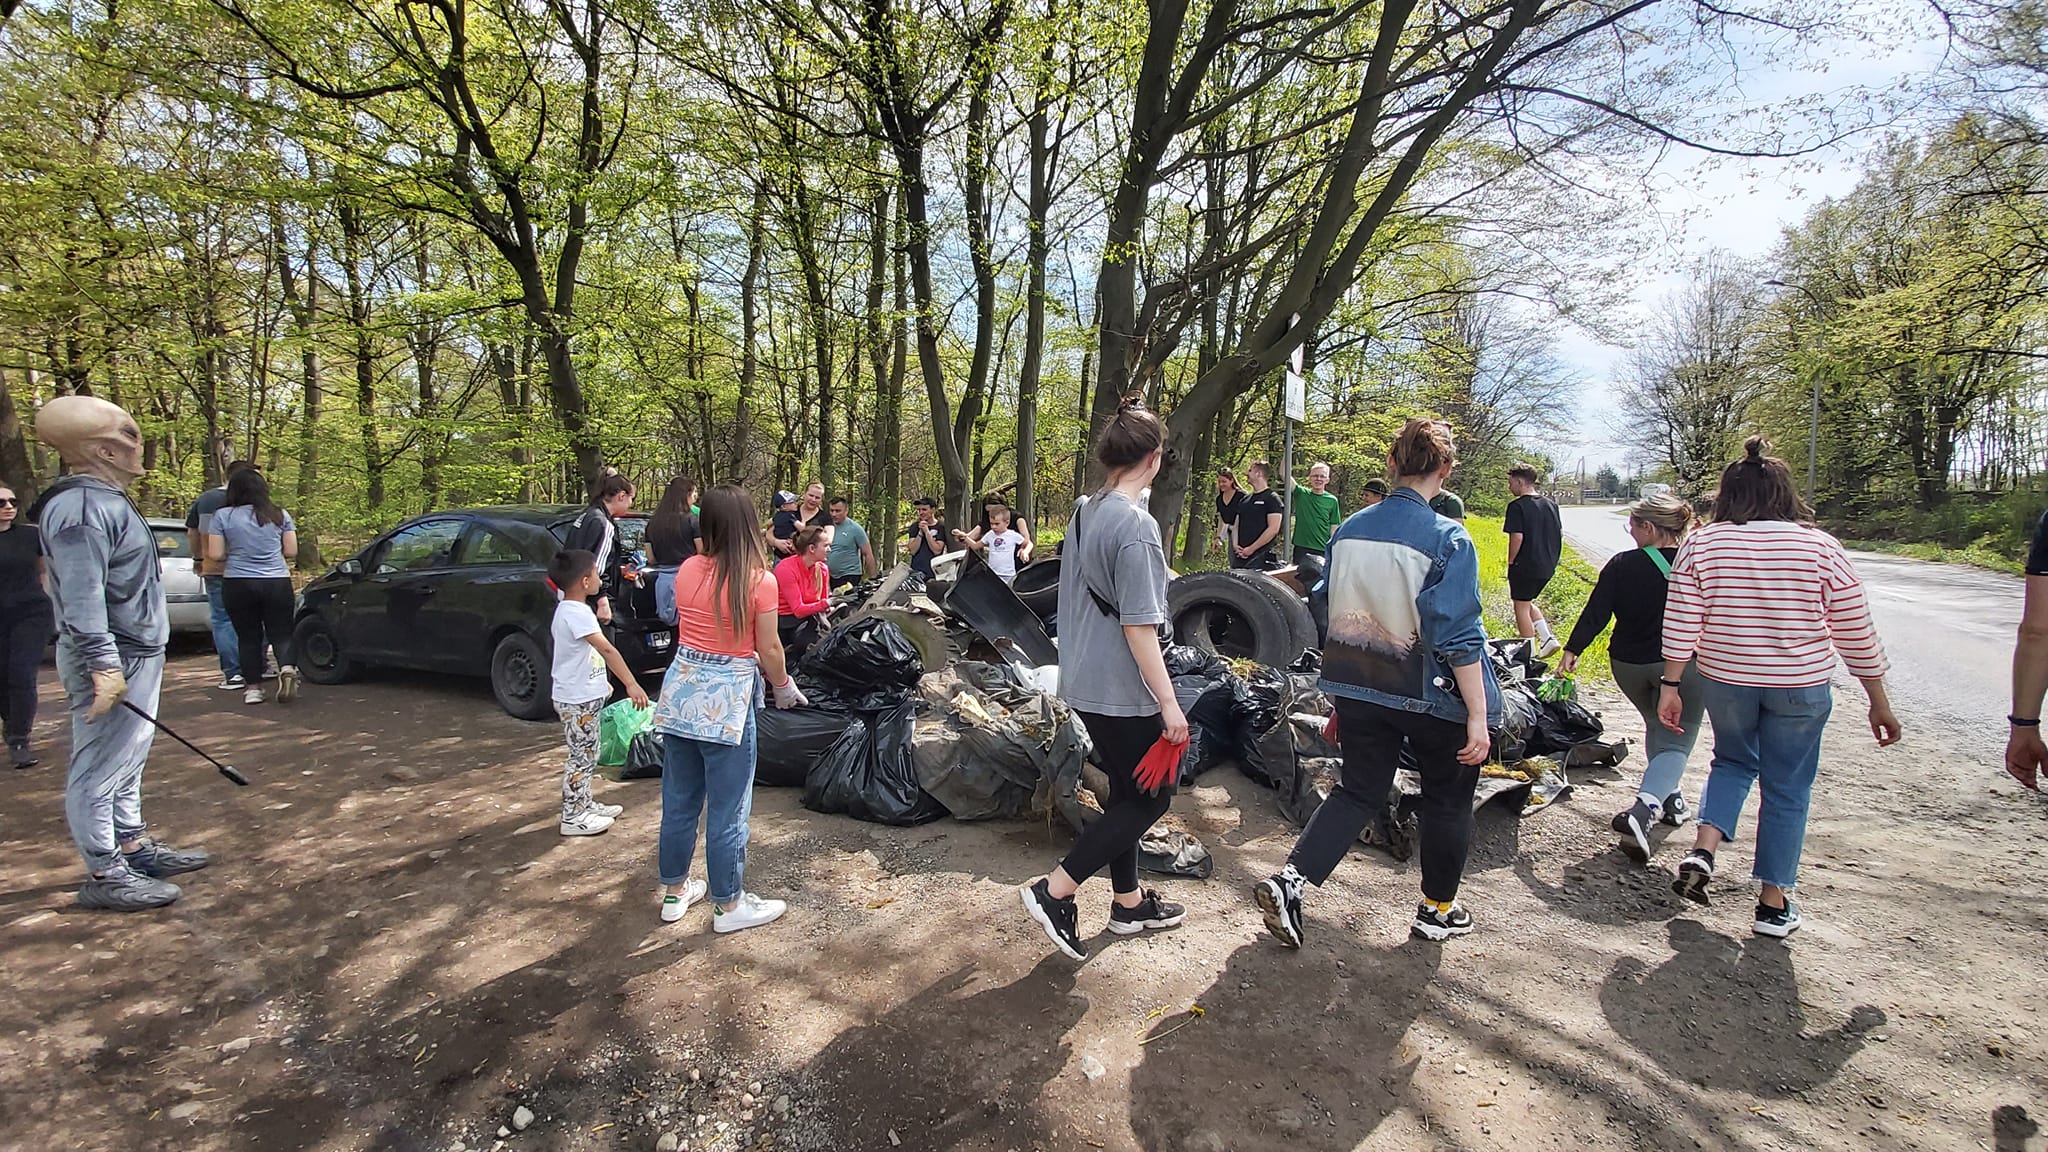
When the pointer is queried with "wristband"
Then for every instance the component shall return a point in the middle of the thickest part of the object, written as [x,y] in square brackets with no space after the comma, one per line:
[2019,722]
[1670,683]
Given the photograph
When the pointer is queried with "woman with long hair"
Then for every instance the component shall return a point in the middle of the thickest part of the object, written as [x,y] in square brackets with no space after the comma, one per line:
[802,597]
[726,644]
[1406,665]
[596,531]
[26,621]
[1113,674]
[1229,502]
[671,539]
[253,536]
[1631,592]
[1762,602]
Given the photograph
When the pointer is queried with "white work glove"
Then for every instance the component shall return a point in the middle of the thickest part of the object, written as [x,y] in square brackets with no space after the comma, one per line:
[788,695]
[107,689]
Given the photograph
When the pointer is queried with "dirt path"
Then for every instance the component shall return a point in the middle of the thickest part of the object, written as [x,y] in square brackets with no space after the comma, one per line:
[396,951]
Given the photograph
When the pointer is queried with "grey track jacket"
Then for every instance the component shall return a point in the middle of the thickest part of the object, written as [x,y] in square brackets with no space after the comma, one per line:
[104,574]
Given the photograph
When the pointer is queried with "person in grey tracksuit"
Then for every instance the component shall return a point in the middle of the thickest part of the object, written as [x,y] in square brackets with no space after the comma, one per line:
[111,630]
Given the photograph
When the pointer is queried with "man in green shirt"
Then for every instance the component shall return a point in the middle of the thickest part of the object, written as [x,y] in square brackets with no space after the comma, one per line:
[1448,503]
[1316,514]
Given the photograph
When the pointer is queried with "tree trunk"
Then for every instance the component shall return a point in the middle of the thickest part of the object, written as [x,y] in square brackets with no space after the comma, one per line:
[750,311]
[882,508]
[890,404]
[304,307]
[17,470]
[1038,248]
[354,238]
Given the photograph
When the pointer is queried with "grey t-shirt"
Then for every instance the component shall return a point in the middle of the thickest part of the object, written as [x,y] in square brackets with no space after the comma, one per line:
[255,549]
[1112,546]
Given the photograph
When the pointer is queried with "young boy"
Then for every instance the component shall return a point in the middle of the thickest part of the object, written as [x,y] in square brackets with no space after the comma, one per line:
[1003,546]
[581,656]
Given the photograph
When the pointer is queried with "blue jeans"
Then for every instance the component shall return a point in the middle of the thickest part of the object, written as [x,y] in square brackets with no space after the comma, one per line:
[697,776]
[665,595]
[225,643]
[1769,737]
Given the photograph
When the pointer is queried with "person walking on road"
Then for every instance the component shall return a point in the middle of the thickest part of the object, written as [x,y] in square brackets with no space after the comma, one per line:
[596,531]
[1316,516]
[580,687]
[1113,674]
[251,538]
[25,626]
[1631,592]
[1535,544]
[1258,522]
[105,583]
[1762,602]
[726,644]
[1406,666]
[802,594]
[671,539]
[2025,755]
[199,530]
[852,559]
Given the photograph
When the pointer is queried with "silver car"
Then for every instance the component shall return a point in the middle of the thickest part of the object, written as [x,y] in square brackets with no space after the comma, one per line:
[184,588]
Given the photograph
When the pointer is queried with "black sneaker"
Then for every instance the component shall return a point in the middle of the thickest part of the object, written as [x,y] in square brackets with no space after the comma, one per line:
[157,860]
[1151,912]
[1057,917]
[1431,924]
[126,891]
[17,751]
[1677,812]
[1777,922]
[1279,898]
[1635,830]
[1693,874]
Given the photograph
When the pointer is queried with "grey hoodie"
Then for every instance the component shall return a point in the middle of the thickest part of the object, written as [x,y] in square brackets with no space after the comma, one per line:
[104,574]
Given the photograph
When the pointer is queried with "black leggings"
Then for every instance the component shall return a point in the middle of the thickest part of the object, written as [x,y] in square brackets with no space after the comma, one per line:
[261,608]
[23,636]
[1120,742]
[1372,737]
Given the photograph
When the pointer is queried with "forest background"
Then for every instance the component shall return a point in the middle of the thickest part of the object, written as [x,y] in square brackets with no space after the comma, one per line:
[428,253]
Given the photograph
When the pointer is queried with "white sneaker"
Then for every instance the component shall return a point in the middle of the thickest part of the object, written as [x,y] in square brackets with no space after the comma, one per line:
[611,810]
[287,684]
[674,904]
[749,911]
[252,695]
[231,684]
[589,823]
[1548,648]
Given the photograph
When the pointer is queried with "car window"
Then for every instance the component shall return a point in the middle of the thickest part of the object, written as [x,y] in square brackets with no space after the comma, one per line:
[489,546]
[632,530]
[422,546]
[172,544]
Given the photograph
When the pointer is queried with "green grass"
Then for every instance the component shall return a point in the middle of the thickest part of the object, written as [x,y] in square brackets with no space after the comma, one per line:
[1560,601]
[1975,555]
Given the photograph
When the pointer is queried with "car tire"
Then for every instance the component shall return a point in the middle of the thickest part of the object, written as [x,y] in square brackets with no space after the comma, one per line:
[521,678]
[1240,614]
[321,660]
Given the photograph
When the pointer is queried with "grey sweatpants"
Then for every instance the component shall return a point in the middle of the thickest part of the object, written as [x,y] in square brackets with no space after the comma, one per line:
[1665,750]
[103,791]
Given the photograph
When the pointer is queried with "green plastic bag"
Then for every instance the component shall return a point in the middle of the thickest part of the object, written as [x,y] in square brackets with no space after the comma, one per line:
[1553,690]
[616,727]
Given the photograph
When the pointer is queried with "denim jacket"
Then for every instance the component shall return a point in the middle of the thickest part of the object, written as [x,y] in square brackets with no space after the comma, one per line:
[1403,587]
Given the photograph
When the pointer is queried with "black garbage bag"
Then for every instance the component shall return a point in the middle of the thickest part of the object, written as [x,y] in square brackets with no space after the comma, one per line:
[1519,712]
[787,741]
[643,757]
[1265,744]
[992,747]
[1561,725]
[869,774]
[1210,702]
[864,656]
[1188,660]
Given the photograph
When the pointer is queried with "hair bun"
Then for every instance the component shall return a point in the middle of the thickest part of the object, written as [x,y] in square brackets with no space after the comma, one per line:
[1753,449]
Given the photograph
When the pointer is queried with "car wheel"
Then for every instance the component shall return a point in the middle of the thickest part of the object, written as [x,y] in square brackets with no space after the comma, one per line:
[319,653]
[520,678]
[1240,614]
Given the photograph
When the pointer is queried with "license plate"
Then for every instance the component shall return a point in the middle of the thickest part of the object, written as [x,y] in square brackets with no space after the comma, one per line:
[658,641]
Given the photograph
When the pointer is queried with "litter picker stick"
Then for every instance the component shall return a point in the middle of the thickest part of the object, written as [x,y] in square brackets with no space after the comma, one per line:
[227,770]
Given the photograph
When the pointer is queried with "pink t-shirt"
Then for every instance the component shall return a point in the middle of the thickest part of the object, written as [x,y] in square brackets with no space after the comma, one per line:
[701,614]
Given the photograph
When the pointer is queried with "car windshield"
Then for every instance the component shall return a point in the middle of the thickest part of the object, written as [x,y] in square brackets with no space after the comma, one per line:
[171,544]
[632,532]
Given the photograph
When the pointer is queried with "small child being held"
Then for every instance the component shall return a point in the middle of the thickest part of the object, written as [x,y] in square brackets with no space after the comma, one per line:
[582,654]
[1004,547]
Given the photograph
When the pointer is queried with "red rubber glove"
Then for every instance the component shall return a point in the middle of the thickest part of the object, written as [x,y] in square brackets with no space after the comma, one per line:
[1330,731]
[1160,764]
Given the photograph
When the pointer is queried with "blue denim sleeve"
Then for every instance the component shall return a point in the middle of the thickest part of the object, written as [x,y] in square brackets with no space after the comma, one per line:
[1450,607]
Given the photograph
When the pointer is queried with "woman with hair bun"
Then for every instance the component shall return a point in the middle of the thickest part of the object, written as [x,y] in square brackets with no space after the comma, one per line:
[1631,592]
[1405,663]
[1762,603]
[1113,674]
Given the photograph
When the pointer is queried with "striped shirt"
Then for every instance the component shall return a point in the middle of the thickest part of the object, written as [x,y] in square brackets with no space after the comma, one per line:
[1768,604]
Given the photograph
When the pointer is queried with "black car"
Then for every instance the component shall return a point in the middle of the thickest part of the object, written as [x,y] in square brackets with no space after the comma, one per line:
[466,592]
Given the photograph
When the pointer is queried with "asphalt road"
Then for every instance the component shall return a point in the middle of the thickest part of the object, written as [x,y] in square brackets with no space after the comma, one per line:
[1948,629]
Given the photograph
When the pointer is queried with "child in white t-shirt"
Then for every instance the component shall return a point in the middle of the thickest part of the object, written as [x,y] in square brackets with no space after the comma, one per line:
[1005,548]
[582,654]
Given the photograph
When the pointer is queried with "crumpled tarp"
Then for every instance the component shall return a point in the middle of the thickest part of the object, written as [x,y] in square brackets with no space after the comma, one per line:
[992,748]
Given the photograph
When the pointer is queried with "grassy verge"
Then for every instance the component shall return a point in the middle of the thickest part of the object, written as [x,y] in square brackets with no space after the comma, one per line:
[1560,601]
[1976,555]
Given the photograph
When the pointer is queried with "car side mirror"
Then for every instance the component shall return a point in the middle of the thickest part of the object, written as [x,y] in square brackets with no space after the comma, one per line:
[350,567]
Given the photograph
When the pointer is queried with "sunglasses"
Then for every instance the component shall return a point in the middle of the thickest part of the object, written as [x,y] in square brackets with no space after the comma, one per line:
[8,502]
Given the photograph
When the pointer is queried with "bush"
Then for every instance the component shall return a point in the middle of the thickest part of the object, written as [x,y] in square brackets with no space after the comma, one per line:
[2000,525]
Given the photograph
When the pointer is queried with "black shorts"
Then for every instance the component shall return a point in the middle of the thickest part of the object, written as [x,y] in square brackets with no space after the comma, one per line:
[1527,585]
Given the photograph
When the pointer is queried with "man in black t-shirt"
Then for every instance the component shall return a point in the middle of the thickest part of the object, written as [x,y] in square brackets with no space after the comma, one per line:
[2025,755]
[927,535]
[1535,541]
[1258,522]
